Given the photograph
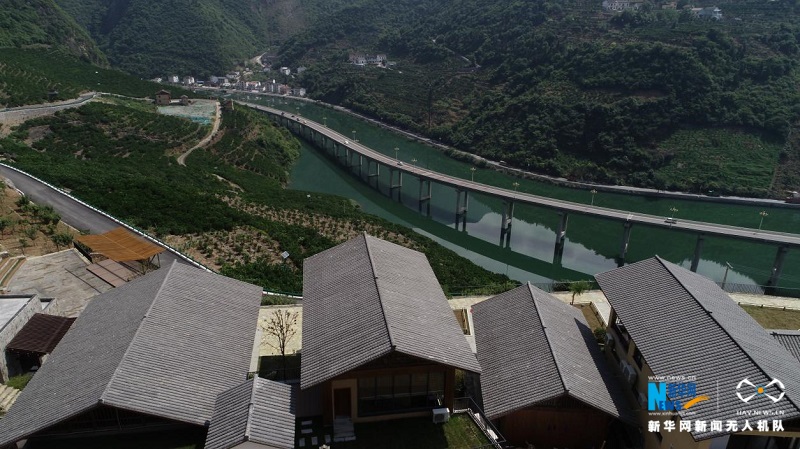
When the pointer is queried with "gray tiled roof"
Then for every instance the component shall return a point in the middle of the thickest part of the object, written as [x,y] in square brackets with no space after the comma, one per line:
[367,297]
[684,324]
[258,410]
[533,348]
[165,344]
[789,339]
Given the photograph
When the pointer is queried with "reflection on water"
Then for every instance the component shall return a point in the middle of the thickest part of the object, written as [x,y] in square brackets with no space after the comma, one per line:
[591,245]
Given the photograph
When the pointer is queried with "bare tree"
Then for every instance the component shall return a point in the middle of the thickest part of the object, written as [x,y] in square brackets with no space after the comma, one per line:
[282,325]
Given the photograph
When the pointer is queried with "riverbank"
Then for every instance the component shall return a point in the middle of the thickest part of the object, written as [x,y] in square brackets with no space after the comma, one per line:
[501,167]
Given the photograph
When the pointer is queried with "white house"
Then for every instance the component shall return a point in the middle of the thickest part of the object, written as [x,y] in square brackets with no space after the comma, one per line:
[622,5]
[710,13]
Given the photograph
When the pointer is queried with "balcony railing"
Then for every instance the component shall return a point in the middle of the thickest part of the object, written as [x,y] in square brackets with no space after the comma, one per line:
[467,405]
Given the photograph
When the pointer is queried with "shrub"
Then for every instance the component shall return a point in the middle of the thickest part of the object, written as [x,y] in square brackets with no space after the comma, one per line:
[19,382]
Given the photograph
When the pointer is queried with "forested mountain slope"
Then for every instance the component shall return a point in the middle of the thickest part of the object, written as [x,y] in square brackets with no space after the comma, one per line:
[200,37]
[26,23]
[567,89]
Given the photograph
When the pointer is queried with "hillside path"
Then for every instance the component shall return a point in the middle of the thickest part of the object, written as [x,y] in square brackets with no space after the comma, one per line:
[206,139]
[11,117]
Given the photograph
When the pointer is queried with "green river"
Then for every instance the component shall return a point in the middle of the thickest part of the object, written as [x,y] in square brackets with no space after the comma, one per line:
[591,245]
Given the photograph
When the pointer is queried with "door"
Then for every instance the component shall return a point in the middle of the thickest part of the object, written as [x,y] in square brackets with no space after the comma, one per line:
[341,402]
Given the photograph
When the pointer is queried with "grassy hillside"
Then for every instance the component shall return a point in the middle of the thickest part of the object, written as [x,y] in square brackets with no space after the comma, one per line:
[565,89]
[26,23]
[227,208]
[27,75]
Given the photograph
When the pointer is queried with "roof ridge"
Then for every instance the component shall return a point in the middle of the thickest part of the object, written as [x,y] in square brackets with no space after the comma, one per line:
[250,407]
[378,289]
[721,327]
[546,337]
[136,334]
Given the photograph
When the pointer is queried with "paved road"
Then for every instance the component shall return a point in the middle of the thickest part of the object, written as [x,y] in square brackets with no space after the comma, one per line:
[72,212]
[697,227]
[15,116]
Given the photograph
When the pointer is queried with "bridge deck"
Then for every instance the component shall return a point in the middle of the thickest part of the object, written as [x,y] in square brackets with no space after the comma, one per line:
[698,227]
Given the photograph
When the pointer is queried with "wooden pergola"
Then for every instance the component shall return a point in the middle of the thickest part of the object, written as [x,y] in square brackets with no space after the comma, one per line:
[121,245]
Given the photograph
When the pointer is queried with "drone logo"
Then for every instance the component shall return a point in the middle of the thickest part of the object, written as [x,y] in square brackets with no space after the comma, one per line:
[760,390]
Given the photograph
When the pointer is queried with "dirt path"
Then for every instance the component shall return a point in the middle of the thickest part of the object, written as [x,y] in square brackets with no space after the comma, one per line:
[206,139]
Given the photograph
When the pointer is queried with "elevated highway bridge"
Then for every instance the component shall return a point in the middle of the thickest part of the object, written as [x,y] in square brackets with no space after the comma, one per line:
[367,164]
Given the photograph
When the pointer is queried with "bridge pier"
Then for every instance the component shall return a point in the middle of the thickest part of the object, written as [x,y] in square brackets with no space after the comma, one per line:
[698,250]
[561,233]
[352,164]
[563,221]
[626,238]
[461,209]
[376,174]
[425,198]
[777,267]
[505,224]
[398,186]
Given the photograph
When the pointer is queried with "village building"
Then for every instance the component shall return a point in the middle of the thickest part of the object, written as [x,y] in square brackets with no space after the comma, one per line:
[380,341]
[32,344]
[15,312]
[165,351]
[256,414]
[543,372]
[163,98]
[668,323]
[622,5]
[789,339]
[708,13]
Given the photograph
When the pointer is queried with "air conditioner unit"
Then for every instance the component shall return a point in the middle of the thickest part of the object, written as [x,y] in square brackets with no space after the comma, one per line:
[623,366]
[630,375]
[642,399]
[441,415]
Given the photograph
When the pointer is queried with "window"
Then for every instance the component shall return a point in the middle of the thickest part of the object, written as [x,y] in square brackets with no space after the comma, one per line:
[400,392]
[637,357]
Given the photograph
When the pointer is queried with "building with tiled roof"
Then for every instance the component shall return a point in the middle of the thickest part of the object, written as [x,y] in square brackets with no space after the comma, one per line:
[259,413]
[699,365]
[543,371]
[152,354]
[378,333]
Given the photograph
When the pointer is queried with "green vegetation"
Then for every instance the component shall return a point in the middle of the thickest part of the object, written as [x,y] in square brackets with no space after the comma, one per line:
[772,318]
[717,158]
[188,438]
[563,92]
[116,159]
[26,23]
[228,207]
[458,433]
[201,37]
[28,75]
[19,382]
